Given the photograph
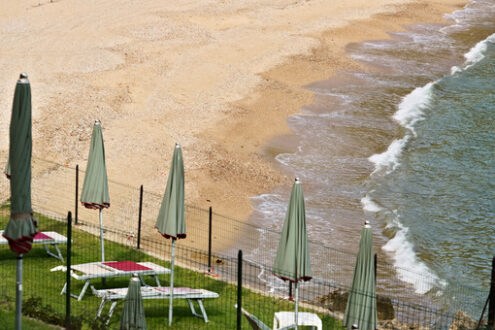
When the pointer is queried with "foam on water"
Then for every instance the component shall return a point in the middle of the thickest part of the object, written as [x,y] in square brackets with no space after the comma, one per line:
[411,109]
[390,159]
[369,205]
[405,259]
[477,53]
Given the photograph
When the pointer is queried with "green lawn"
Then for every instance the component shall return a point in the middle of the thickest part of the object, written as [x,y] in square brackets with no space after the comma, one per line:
[8,321]
[38,281]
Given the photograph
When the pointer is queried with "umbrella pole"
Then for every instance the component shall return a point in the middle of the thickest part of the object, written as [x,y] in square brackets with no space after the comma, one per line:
[102,244]
[297,301]
[170,307]
[18,294]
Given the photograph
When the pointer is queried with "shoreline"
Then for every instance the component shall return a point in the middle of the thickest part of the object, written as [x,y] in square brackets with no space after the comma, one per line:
[290,75]
[138,69]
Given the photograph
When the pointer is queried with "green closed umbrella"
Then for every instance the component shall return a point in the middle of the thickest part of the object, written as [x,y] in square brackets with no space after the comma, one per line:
[133,313]
[95,188]
[21,227]
[292,261]
[361,304]
[170,222]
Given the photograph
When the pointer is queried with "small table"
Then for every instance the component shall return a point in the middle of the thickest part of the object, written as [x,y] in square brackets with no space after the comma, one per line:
[283,319]
[109,269]
[46,238]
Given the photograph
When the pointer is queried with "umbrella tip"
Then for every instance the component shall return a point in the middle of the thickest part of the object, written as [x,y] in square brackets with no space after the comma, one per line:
[177,144]
[296,180]
[367,224]
[97,122]
[23,78]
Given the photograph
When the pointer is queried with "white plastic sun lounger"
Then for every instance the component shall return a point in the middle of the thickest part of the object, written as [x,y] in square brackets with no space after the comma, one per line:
[149,292]
[108,269]
[46,238]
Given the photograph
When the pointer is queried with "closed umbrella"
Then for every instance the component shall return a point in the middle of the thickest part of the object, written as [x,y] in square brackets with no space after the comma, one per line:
[292,261]
[133,313]
[95,188]
[170,222]
[21,227]
[361,304]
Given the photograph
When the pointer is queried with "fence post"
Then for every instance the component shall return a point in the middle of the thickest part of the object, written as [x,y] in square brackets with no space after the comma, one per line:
[491,308]
[376,263]
[77,194]
[139,219]
[239,289]
[67,276]
[209,239]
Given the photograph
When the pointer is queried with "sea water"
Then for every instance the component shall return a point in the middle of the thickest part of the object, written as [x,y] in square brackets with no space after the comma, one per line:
[410,146]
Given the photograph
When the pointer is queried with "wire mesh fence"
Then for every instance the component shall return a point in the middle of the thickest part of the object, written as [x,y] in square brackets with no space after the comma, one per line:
[44,280]
[54,192]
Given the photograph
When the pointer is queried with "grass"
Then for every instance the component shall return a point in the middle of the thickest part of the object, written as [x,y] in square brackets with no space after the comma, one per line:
[38,281]
[8,321]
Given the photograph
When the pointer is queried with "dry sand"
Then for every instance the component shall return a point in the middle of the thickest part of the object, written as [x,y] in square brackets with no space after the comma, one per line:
[218,76]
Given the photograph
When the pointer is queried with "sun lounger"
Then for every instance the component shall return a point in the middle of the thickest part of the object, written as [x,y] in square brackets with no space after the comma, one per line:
[149,292]
[89,271]
[256,323]
[284,319]
[46,238]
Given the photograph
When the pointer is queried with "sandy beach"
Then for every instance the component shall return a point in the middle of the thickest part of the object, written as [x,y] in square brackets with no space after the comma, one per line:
[220,77]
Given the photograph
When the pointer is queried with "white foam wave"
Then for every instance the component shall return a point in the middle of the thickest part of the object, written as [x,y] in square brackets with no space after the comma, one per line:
[389,160]
[477,53]
[412,106]
[405,259]
[369,205]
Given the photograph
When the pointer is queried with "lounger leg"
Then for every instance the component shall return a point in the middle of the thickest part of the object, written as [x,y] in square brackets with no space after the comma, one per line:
[100,309]
[193,311]
[83,291]
[110,312]
[63,289]
[203,311]
[60,257]
[157,280]
[50,253]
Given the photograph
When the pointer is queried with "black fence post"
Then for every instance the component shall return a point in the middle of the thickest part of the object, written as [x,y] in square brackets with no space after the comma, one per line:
[491,307]
[209,240]
[239,290]
[139,219]
[77,194]
[67,276]
[376,263]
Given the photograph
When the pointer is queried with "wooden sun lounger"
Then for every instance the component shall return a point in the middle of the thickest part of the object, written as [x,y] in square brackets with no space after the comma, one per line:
[46,238]
[149,292]
[109,269]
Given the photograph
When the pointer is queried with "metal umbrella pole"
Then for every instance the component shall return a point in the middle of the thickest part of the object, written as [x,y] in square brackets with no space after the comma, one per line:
[170,307]
[102,243]
[18,294]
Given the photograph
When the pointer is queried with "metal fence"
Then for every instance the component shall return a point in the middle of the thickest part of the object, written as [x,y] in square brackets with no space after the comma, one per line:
[54,193]
[324,297]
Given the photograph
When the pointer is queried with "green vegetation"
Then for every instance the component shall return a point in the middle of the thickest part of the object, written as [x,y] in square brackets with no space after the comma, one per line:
[8,319]
[43,287]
